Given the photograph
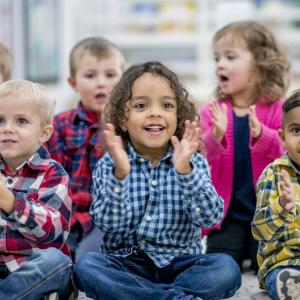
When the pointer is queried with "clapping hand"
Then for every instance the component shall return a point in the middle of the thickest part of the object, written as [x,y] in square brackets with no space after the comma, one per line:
[219,120]
[184,148]
[254,123]
[117,151]
[287,200]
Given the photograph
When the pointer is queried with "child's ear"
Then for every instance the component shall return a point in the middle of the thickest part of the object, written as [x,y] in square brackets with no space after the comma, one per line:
[123,126]
[46,134]
[282,137]
[72,82]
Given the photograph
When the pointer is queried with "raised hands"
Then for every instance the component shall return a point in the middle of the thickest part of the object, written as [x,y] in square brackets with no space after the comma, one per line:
[287,200]
[186,147]
[254,123]
[117,152]
[219,120]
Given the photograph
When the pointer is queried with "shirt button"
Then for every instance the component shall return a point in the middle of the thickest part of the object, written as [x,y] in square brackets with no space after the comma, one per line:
[117,189]
[10,180]
[197,210]
[141,160]
[154,182]
[114,210]
[148,218]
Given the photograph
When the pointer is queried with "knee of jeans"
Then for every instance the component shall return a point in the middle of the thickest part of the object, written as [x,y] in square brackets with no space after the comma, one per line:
[230,268]
[55,257]
[83,263]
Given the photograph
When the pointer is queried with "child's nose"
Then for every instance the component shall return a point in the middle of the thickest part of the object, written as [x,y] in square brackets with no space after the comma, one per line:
[7,127]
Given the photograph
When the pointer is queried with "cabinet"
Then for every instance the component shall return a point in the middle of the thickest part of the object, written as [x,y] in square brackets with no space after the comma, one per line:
[176,32]
[179,32]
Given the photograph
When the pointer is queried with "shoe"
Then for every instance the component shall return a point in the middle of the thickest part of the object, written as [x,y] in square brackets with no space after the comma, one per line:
[51,296]
[288,284]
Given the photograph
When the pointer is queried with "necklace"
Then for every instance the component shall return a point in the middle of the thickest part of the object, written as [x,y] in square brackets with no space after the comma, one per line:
[240,106]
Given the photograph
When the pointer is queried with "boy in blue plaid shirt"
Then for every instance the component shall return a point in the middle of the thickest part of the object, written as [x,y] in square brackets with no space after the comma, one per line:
[276,223]
[151,196]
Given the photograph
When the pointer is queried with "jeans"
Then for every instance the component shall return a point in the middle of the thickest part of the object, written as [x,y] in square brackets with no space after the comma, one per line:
[106,276]
[45,270]
[272,278]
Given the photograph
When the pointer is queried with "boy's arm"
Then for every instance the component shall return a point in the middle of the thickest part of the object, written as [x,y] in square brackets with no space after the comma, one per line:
[111,209]
[204,206]
[270,219]
[44,217]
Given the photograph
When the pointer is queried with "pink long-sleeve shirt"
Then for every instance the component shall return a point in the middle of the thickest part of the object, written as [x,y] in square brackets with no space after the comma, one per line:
[263,150]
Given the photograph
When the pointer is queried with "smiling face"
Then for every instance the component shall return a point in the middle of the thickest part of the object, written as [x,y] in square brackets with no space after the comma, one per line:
[235,68]
[152,115]
[95,79]
[21,130]
[290,134]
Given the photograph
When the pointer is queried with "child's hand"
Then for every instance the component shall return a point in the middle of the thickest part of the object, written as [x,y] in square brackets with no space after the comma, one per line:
[118,154]
[185,148]
[254,123]
[287,200]
[7,198]
[219,120]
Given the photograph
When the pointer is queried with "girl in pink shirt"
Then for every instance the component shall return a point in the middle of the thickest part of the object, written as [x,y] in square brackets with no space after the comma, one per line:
[240,128]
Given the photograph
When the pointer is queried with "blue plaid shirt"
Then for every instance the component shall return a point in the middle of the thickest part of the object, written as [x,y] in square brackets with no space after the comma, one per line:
[154,209]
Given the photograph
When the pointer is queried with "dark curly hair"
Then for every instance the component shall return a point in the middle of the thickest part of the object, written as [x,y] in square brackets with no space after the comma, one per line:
[290,103]
[115,111]
[272,65]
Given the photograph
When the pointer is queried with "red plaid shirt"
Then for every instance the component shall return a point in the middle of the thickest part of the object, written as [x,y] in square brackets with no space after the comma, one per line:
[75,145]
[41,218]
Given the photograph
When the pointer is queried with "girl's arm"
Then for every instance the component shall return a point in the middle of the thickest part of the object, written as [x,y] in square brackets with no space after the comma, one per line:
[213,147]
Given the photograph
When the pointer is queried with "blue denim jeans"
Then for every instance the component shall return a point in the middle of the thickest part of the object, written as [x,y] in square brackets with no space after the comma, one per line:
[271,281]
[209,276]
[45,271]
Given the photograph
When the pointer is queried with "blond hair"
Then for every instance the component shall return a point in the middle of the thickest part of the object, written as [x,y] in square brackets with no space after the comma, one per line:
[269,56]
[32,93]
[6,63]
[96,46]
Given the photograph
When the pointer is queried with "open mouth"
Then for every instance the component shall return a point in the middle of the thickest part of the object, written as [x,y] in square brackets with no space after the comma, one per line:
[154,128]
[100,96]
[223,78]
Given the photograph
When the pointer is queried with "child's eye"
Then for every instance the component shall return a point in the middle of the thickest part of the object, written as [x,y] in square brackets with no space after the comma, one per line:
[89,76]
[216,58]
[22,121]
[231,57]
[296,130]
[111,75]
[168,105]
[139,105]
[2,121]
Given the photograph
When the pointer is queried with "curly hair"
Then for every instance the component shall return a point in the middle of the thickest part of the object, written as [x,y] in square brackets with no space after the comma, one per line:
[272,65]
[116,109]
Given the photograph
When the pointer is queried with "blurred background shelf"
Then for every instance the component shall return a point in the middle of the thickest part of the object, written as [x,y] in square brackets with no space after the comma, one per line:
[176,32]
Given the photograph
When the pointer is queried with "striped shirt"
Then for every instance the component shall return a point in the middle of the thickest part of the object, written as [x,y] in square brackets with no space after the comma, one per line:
[154,209]
[277,231]
[41,218]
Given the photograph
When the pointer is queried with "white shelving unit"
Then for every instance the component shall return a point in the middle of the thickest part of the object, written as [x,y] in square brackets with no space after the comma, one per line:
[176,32]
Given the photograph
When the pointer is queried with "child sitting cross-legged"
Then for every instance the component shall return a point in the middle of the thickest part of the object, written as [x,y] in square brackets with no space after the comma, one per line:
[152,192]
[35,206]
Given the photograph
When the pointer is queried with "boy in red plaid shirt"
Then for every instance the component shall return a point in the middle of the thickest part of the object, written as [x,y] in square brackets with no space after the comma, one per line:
[35,206]
[96,65]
